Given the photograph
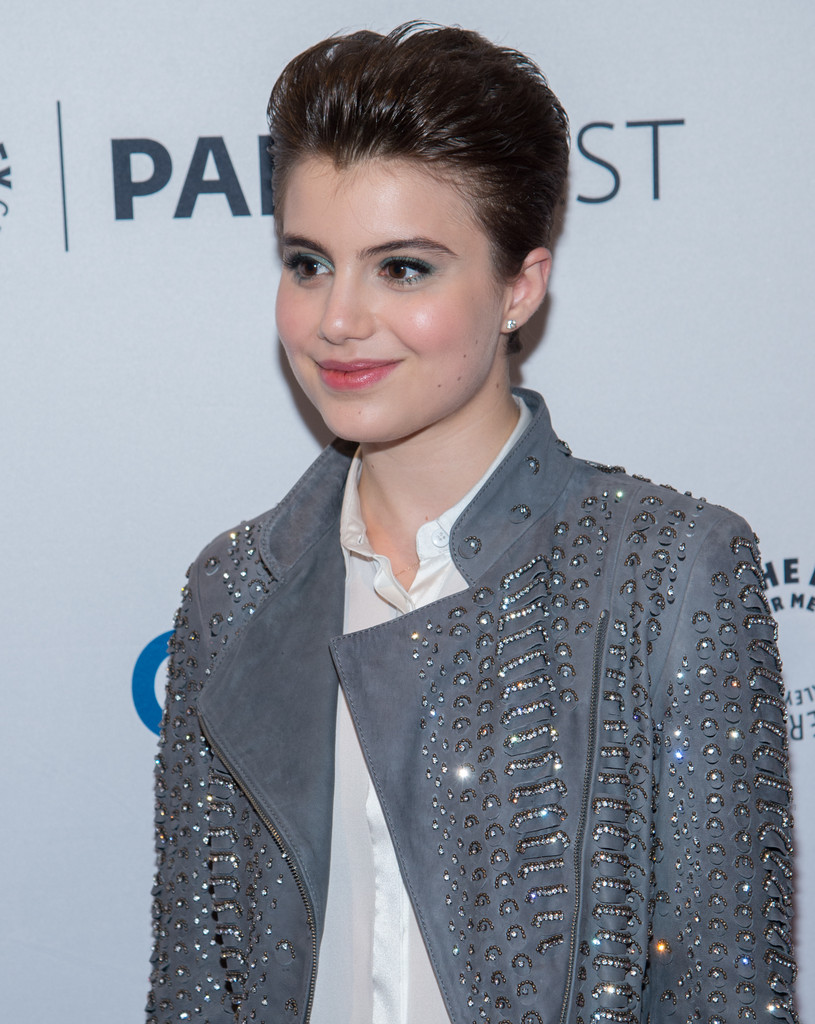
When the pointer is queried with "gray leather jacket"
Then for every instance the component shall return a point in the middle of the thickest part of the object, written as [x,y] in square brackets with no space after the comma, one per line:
[581,757]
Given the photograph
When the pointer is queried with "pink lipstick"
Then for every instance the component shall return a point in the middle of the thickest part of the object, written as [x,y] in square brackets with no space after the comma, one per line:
[354,375]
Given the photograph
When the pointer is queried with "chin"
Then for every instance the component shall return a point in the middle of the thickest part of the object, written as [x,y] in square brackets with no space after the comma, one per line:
[356,421]
[368,430]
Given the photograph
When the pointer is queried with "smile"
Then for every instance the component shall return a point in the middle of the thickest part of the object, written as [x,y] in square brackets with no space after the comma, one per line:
[352,376]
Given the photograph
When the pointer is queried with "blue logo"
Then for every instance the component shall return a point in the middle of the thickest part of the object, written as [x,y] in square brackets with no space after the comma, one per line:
[144,681]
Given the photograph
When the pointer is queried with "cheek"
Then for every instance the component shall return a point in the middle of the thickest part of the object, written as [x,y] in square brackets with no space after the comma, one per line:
[288,317]
[281,310]
[462,323]
[438,329]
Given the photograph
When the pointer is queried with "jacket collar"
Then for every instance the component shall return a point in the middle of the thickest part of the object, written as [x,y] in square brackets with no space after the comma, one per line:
[308,511]
[522,489]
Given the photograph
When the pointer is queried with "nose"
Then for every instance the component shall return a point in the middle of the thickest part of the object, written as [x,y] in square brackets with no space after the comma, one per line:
[346,315]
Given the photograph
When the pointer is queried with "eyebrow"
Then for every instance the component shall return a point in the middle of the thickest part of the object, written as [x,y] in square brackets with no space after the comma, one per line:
[419,243]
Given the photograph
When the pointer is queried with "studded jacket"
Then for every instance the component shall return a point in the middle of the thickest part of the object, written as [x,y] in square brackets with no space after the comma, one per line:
[581,758]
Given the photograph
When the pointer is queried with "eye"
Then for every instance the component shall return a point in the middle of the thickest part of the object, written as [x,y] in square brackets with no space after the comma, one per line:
[406,271]
[305,267]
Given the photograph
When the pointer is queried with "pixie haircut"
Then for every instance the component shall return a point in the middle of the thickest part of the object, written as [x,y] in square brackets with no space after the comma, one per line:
[481,115]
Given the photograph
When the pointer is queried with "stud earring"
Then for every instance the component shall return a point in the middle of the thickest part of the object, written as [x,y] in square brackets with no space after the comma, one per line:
[511,325]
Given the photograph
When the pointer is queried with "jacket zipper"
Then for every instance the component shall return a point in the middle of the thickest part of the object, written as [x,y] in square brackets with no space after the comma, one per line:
[288,858]
[599,641]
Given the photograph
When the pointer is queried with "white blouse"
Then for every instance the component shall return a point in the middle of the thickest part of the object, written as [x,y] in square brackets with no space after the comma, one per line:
[374,967]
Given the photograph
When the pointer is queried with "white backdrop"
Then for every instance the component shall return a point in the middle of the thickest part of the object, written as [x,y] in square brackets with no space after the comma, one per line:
[145,406]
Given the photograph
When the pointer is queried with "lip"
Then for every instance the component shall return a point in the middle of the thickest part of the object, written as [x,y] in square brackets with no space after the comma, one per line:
[356,374]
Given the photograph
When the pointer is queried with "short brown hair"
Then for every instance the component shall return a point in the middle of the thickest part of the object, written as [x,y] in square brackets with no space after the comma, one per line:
[481,113]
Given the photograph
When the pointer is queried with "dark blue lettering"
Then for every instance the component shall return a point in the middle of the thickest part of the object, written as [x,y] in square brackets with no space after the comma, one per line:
[654,126]
[226,183]
[266,197]
[5,179]
[770,577]
[790,570]
[612,170]
[124,187]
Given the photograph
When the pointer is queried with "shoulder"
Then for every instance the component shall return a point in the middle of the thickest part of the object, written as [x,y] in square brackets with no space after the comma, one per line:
[237,570]
[230,570]
[276,537]
[673,562]
[651,512]
[685,583]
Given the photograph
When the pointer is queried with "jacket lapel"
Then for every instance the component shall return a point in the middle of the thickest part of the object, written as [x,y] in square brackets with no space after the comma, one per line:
[271,709]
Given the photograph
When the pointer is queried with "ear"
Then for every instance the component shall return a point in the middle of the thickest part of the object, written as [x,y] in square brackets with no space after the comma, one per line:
[526,292]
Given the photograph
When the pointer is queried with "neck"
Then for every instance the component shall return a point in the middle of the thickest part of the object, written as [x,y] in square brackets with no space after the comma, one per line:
[409,482]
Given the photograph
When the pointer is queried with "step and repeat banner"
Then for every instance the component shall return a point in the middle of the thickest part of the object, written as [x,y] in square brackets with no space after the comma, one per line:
[146,405]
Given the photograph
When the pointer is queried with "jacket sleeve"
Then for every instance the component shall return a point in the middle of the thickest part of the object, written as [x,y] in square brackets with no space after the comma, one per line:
[188,980]
[720,944]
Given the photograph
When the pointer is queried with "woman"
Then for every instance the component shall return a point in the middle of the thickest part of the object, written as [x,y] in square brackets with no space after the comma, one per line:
[527,708]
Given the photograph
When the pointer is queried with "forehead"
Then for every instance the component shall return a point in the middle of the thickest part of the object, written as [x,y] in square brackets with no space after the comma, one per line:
[398,198]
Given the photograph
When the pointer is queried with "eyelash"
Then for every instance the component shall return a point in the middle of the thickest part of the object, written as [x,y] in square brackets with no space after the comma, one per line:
[294,261]
[423,270]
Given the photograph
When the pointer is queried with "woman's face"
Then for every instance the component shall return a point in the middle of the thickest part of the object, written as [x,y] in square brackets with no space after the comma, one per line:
[389,308]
